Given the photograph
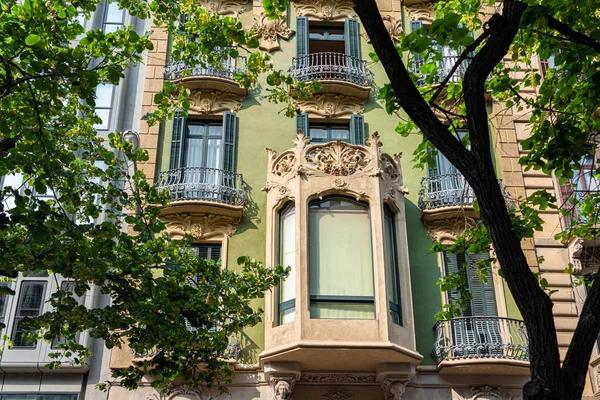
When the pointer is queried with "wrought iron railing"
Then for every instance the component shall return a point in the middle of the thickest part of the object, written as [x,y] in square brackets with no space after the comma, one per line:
[572,206]
[445,190]
[331,66]
[200,183]
[229,68]
[445,66]
[480,337]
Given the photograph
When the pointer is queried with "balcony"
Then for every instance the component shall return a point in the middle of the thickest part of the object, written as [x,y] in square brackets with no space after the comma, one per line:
[213,190]
[337,72]
[209,77]
[488,345]
[445,66]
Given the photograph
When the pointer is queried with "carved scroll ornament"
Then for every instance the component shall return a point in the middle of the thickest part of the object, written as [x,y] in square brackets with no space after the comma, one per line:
[225,7]
[325,10]
[423,12]
[201,226]
[449,228]
[214,102]
[269,31]
[330,106]
[393,27]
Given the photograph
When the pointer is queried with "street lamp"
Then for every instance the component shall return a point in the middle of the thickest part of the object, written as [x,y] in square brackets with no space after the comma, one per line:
[132,137]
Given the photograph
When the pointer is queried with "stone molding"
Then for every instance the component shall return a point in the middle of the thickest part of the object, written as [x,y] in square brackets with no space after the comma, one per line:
[330,106]
[421,12]
[393,389]
[225,7]
[203,102]
[201,226]
[393,26]
[338,395]
[449,228]
[283,387]
[325,10]
[269,31]
[337,378]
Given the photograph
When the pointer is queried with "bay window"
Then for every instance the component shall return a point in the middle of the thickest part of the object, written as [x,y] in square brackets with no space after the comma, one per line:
[287,258]
[340,260]
[391,265]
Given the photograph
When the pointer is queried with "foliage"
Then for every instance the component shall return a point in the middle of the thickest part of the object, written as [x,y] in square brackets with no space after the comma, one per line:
[163,300]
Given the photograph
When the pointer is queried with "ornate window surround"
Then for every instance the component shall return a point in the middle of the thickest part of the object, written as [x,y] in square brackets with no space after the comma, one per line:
[363,173]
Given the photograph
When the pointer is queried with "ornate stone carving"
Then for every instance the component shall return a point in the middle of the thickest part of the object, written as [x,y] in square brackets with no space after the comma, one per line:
[393,389]
[449,227]
[152,396]
[338,159]
[269,31]
[392,25]
[325,10]
[225,7]
[330,106]
[315,377]
[201,226]
[339,395]
[283,388]
[215,102]
[583,257]
[486,392]
[421,12]
[189,393]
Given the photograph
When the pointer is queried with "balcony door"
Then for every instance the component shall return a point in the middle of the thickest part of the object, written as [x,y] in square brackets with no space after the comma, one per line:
[327,51]
[203,157]
[477,332]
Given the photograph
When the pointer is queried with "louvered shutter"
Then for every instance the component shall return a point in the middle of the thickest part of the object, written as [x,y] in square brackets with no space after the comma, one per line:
[462,334]
[229,141]
[352,32]
[208,251]
[357,129]
[418,60]
[302,36]
[302,123]
[177,141]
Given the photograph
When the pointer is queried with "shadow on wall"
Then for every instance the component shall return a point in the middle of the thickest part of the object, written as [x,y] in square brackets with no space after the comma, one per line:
[250,349]
[251,212]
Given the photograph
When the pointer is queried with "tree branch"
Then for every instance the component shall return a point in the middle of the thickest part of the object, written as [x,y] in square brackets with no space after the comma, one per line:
[571,34]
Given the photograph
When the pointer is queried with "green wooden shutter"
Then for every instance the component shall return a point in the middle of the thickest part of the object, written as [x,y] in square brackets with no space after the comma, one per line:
[302,123]
[301,44]
[417,61]
[451,265]
[230,129]
[357,129]
[484,296]
[177,141]
[352,32]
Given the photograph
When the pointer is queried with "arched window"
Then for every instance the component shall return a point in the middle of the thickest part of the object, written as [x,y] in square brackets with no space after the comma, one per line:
[287,258]
[340,260]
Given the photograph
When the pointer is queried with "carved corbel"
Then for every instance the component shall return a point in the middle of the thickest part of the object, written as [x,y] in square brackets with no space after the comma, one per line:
[201,226]
[330,106]
[225,7]
[486,392]
[283,387]
[393,389]
[269,31]
[448,228]
[325,10]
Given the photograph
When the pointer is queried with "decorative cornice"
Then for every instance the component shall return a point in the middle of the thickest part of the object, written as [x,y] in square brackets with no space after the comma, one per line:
[225,7]
[269,31]
[393,389]
[330,106]
[325,10]
[214,102]
[486,392]
[423,12]
[200,225]
[283,387]
[315,377]
[393,27]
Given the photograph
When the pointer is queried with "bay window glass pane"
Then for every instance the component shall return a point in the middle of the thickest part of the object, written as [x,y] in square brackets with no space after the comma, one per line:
[391,265]
[104,94]
[287,258]
[340,260]
[57,397]
[29,304]
[19,396]
[105,117]
[113,14]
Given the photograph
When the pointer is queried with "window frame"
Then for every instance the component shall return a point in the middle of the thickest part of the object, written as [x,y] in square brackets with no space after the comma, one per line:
[394,281]
[291,303]
[16,318]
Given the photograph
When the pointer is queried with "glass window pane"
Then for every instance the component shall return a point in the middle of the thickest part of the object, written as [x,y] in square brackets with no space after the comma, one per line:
[104,94]
[110,28]
[29,304]
[193,152]
[340,132]
[57,397]
[318,134]
[213,154]
[113,14]
[104,115]
[287,258]
[342,310]
[340,255]
[19,396]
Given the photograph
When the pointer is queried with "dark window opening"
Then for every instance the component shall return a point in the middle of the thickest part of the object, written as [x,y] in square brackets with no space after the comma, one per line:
[327,132]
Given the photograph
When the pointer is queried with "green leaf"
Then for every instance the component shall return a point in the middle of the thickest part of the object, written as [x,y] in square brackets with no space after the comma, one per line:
[32,39]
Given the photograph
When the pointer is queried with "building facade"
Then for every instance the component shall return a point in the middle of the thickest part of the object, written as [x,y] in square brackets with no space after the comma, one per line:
[330,195]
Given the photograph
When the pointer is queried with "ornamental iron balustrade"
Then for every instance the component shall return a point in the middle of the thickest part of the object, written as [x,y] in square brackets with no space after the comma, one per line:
[331,66]
[480,337]
[230,66]
[446,190]
[572,206]
[444,68]
[200,183]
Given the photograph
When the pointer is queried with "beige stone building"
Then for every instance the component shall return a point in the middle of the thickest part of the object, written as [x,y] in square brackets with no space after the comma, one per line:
[330,195]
